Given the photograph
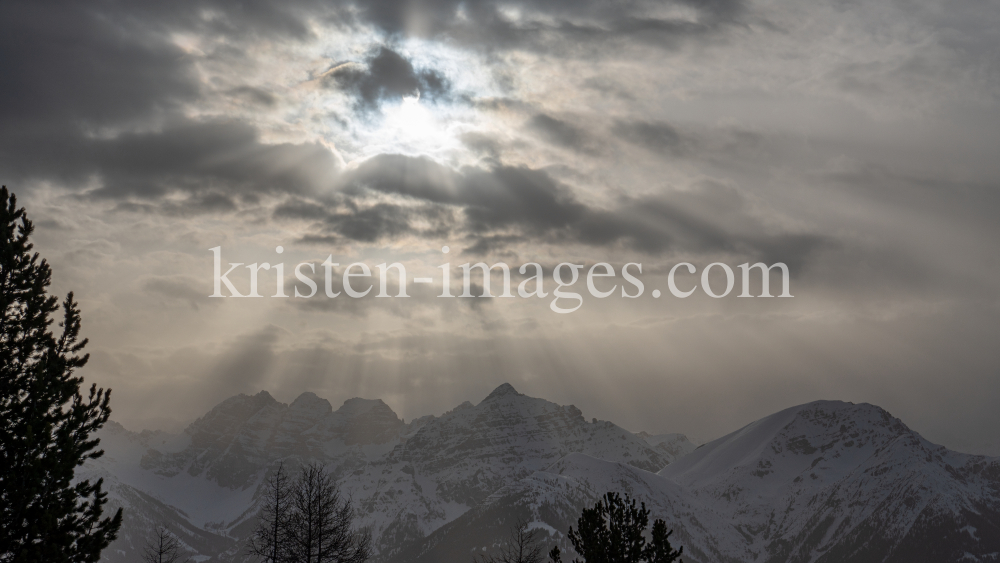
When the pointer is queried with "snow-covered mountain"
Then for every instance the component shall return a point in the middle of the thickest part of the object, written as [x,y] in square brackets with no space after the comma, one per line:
[822,482]
[407,480]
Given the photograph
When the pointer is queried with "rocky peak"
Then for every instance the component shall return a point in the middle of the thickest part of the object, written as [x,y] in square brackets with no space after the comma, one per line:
[230,414]
[358,406]
[369,421]
[311,403]
[505,390]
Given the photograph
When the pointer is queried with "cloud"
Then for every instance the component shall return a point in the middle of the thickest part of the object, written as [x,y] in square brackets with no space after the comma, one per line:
[185,289]
[654,136]
[499,206]
[386,76]
[561,133]
[184,156]
[702,130]
[74,62]
[547,25]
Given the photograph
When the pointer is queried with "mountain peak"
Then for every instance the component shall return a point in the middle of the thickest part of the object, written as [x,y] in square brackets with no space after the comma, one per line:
[310,401]
[358,406]
[502,391]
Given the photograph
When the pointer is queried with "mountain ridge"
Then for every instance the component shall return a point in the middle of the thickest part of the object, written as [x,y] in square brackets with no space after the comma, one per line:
[807,484]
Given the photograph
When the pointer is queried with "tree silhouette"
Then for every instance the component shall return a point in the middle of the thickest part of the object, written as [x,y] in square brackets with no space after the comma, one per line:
[270,541]
[613,531]
[45,422]
[308,521]
[163,547]
[521,547]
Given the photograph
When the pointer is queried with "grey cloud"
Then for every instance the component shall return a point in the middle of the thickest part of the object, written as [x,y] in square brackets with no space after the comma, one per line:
[387,75]
[255,95]
[561,133]
[543,24]
[74,61]
[654,136]
[180,288]
[197,204]
[185,156]
[422,297]
[496,207]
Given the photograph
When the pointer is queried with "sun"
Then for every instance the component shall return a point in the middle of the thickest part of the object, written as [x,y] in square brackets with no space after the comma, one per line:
[412,127]
[412,118]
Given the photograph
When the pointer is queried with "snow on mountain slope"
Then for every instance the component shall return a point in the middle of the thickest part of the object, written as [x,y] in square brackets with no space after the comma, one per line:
[551,500]
[824,482]
[455,461]
[831,481]
[820,483]
[672,446]
[205,483]
[406,479]
[139,493]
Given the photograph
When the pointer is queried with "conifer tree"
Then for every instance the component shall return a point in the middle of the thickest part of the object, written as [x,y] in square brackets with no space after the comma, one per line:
[46,425]
[613,531]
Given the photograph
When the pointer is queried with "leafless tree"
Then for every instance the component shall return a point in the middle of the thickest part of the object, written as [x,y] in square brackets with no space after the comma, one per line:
[163,547]
[308,521]
[320,529]
[269,541]
[521,547]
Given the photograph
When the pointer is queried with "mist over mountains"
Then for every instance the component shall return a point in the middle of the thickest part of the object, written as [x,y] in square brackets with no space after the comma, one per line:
[821,482]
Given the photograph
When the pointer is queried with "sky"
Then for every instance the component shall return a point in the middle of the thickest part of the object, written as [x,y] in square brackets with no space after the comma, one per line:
[855,142]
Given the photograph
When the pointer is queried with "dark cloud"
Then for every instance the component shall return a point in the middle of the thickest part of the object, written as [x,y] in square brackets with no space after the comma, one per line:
[482,24]
[499,206]
[71,63]
[195,204]
[387,75]
[255,96]
[186,156]
[77,74]
[654,136]
[561,133]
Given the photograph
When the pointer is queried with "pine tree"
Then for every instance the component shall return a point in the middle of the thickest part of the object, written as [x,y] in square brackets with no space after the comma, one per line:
[613,531]
[46,425]
[659,549]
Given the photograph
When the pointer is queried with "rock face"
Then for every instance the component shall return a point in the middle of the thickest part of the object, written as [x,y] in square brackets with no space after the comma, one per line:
[822,482]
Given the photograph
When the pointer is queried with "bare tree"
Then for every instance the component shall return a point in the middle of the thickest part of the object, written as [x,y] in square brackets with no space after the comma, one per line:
[319,529]
[521,547]
[163,547]
[269,541]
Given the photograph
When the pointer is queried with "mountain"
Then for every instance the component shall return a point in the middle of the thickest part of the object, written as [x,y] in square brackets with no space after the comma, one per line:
[821,483]
[406,480]
[832,481]
[818,483]
[672,446]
